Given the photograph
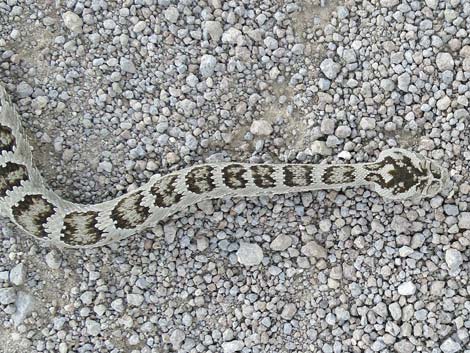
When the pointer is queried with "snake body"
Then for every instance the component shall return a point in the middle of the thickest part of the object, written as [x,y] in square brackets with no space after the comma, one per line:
[397,174]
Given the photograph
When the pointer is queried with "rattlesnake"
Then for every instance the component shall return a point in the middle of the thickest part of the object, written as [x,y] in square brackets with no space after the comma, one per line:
[397,174]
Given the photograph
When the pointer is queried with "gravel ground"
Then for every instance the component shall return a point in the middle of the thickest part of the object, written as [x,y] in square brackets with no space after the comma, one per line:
[113,92]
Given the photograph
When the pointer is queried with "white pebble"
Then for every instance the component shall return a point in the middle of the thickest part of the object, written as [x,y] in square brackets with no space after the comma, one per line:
[330,68]
[207,65]
[464,220]
[454,260]
[72,21]
[249,254]
[313,249]
[18,275]
[444,61]
[407,288]
[261,128]
[232,346]
[171,14]
[281,242]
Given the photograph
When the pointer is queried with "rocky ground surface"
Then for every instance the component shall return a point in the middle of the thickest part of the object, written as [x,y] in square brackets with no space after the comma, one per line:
[113,92]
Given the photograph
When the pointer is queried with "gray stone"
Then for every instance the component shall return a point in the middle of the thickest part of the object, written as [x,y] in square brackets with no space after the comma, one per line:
[93,327]
[18,275]
[444,61]
[261,128]
[321,148]
[330,68]
[443,103]
[342,12]
[139,26]
[72,21]
[405,251]
[298,49]
[24,90]
[324,84]
[378,345]
[343,131]
[466,64]
[461,114]
[171,14]
[387,85]
[24,306]
[454,260]
[342,314]
[106,166]
[408,288]
[118,305]
[313,249]
[232,346]
[367,123]
[249,254]
[395,311]
[231,36]
[381,309]
[400,224]
[212,29]
[7,295]
[327,126]
[417,240]
[281,242]
[109,24]
[271,43]
[432,3]
[349,55]
[53,260]
[177,337]
[389,3]
[464,220]
[207,65]
[324,225]
[421,314]
[450,346]
[4,276]
[169,231]
[451,209]
[127,65]
[404,81]
[135,299]
[289,311]
[39,102]
[404,346]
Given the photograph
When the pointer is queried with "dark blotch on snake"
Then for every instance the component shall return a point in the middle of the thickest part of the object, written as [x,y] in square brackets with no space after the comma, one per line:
[80,228]
[129,212]
[297,175]
[234,176]
[7,139]
[200,179]
[11,176]
[32,213]
[165,192]
[263,176]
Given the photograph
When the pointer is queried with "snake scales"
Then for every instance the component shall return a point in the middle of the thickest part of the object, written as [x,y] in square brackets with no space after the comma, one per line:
[397,174]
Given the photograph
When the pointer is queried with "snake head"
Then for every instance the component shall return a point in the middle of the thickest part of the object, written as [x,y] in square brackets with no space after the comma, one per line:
[403,174]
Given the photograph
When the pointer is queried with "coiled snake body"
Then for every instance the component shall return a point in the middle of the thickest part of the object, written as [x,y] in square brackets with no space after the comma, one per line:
[397,174]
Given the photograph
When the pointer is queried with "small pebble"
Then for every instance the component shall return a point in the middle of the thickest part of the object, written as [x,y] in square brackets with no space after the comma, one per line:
[313,249]
[249,254]
[261,128]
[407,288]
[330,68]
[72,21]
[18,275]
